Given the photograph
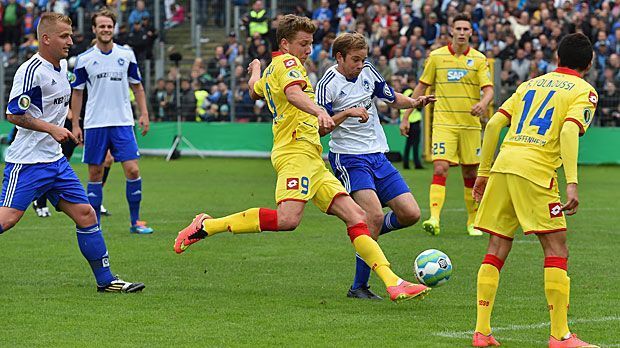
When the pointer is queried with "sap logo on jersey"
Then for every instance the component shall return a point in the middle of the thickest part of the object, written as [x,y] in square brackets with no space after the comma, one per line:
[292,184]
[456,74]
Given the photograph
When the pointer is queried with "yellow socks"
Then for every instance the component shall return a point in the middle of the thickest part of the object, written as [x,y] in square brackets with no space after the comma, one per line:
[488,281]
[470,203]
[368,249]
[437,195]
[557,290]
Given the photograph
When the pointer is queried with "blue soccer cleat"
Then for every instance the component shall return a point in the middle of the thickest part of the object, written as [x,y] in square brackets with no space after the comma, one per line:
[140,228]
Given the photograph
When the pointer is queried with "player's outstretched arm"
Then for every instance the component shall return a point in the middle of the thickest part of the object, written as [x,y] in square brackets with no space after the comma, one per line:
[76,109]
[296,96]
[403,102]
[419,90]
[143,120]
[60,134]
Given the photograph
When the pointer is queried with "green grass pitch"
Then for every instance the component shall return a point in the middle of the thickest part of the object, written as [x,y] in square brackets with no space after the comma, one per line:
[288,288]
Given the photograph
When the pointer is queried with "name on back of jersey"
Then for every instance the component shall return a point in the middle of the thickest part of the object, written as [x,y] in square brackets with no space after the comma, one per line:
[544,83]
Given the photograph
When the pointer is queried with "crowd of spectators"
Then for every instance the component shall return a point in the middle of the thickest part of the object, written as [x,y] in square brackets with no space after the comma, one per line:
[519,37]
[19,20]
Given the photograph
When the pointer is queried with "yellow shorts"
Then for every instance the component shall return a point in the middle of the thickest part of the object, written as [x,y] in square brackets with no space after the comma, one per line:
[510,200]
[456,145]
[303,177]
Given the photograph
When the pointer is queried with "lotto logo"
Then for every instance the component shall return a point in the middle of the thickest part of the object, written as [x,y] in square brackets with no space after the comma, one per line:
[592,98]
[555,210]
[292,184]
[290,63]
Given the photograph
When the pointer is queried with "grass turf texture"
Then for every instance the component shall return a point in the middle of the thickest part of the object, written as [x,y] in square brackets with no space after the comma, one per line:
[288,288]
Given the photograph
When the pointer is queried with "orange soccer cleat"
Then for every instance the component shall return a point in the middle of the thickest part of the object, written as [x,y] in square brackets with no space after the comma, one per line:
[406,291]
[191,234]
[481,340]
[572,342]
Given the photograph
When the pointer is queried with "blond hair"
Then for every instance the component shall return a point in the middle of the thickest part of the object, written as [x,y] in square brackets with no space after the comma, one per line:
[349,42]
[291,24]
[50,18]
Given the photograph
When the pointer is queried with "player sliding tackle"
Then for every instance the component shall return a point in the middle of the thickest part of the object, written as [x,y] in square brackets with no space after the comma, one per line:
[296,157]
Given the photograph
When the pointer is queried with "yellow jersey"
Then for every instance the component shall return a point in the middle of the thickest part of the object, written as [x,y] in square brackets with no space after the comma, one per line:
[537,112]
[290,124]
[457,81]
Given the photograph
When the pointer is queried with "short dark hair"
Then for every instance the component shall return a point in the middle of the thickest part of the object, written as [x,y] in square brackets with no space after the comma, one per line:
[575,52]
[461,17]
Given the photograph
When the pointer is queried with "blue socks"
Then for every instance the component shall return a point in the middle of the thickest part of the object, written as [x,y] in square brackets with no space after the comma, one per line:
[390,223]
[362,271]
[92,246]
[133,191]
[94,191]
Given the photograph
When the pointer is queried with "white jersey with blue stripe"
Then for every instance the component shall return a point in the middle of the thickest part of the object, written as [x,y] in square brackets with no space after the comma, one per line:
[335,93]
[42,91]
[107,76]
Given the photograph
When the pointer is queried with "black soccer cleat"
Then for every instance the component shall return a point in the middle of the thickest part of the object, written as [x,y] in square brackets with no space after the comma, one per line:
[119,285]
[363,292]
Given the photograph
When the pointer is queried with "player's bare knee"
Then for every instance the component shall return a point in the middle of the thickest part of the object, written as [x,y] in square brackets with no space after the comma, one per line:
[439,170]
[288,222]
[410,217]
[85,216]
[132,173]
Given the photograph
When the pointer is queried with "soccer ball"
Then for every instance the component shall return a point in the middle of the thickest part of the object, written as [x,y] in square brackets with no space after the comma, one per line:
[432,268]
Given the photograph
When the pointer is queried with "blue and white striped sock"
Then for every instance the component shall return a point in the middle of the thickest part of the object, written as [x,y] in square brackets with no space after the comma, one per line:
[390,223]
